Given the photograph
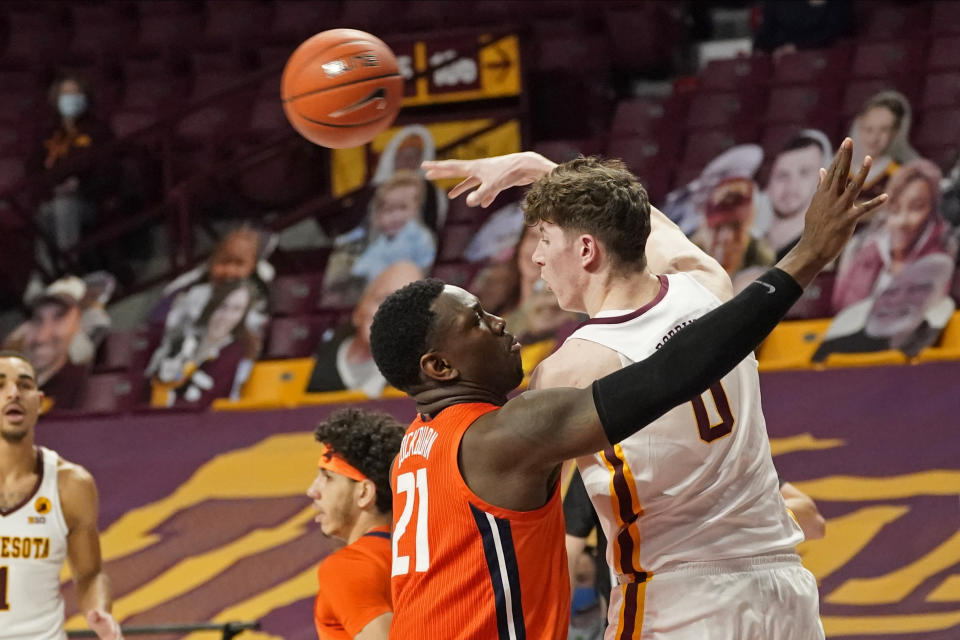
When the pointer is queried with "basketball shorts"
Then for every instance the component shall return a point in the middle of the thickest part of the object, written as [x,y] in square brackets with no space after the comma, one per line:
[762,598]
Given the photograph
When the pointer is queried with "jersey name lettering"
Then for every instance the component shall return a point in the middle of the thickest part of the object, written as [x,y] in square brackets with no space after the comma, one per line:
[672,333]
[418,442]
[25,547]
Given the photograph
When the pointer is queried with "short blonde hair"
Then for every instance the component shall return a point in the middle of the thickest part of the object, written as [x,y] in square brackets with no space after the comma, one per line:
[401,178]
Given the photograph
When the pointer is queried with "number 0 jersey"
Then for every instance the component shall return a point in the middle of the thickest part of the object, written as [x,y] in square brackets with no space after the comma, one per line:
[698,484]
[461,567]
[33,546]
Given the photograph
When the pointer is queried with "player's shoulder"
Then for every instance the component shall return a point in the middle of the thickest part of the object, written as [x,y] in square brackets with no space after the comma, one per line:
[73,479]
[352,558]
[577,363]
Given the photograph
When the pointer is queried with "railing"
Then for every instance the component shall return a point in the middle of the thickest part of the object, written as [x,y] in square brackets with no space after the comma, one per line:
[227,629]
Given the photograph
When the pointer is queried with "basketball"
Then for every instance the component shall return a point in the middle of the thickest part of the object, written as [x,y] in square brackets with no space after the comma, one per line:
[341,88]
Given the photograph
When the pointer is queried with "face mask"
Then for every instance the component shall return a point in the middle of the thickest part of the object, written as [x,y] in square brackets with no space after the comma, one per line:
[583,599]
[72,105]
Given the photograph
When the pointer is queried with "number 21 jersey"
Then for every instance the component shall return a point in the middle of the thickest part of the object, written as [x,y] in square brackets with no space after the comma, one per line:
[461,567]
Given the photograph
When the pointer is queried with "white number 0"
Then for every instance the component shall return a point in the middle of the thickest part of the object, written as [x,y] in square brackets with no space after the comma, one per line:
[406,484]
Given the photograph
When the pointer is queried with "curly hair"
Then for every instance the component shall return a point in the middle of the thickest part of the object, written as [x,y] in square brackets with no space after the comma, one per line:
[400,330]
[369,441]
[599,197]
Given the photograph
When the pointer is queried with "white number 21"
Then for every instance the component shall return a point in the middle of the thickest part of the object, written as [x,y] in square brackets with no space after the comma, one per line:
[408,485]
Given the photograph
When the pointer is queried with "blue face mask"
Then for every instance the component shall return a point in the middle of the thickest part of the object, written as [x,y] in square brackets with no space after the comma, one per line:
[71,105]
[583,599]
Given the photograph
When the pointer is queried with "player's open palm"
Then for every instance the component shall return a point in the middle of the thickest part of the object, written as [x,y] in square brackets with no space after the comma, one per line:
[104,625]
[834,212]
[489,176]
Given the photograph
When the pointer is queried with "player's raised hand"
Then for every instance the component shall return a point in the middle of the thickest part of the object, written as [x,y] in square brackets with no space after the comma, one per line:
[831,217]
[103,624]
[489,176]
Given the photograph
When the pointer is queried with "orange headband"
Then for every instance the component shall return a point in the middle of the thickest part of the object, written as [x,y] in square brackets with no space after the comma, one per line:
[333,461]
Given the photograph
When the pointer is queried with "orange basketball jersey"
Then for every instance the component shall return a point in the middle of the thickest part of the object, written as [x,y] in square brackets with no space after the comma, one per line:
[463,568]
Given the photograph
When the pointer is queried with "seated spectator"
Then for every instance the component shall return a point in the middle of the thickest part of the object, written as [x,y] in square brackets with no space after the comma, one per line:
[729,214]
[240,255]
[210,357]
[909,227]
[881,130]
[588,610]
[410,146]
[344,360]
[794,176]
[80,185]
[908,314]
[786,27]
[395,233]
[54,341]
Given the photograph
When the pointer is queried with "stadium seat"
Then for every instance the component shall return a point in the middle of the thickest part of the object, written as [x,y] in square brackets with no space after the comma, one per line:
[815,66]
[880,59]
[713,110]
[574,53]
[944,54]
[808,105]
[294,295]
[874,359]
[641,35]
[891,21]
[12,173]
[272,383]
[294,20]
[296,337]
[35,34]
[942,155]
[120,350]
[858,92]
[945,17]
[936,127]
[234,21]
[735,73]
[108,393]
[641,153]
[640,117]
[97,27]
[791,344]
[942,90]
[702,146]
[948,347]
[454,238]
[165,24]
[456,273]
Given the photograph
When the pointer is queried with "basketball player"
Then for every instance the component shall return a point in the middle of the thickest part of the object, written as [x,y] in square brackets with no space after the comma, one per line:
[478,529]
[700,538]
[48,513]
[352,497]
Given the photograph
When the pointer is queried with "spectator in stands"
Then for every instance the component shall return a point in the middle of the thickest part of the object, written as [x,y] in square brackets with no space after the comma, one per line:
[910,226]
[210,358]
[908,314]
[393,233]
[240,255]
[410,146]
[794,176]
[344,360]
[881,130]
[730,212]
[588,609]
[811,24]
[81,184]
[54,341]
[354,502]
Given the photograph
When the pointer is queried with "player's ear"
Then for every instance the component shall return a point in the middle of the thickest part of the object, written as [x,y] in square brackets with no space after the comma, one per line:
[367,495]
[436,367]
[588,249]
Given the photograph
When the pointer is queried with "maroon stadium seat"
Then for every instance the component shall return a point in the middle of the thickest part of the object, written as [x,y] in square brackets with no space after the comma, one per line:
[12,172]
[938,128]
[168,23]
[642,35]
[35,33]
[640,116]
[454,239]
[704,145]
[809,105]
[944,53]
[942,90]
[642,154]
[881,59]
[294,20]
[99,27]
[459,274]
[736,73]
[943,155]
[108,393]
[945,17]
[892,21]
[237,20]
[574,53]
[292,338]
[857,93]
[712,110]
[813,66]
[294,295]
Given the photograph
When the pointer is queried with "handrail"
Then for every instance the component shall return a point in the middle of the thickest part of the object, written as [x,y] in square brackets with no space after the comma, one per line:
[228,629]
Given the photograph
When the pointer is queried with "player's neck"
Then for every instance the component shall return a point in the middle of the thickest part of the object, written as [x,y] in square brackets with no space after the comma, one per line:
[17,458]
[366,522]
[618,292]
[431,401]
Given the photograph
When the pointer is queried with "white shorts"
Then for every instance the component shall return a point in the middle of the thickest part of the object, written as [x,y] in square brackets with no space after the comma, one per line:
[762,598]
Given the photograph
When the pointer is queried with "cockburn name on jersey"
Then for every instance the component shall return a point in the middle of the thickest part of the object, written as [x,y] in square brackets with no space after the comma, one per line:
[673,332]
[418,442]
[25,547]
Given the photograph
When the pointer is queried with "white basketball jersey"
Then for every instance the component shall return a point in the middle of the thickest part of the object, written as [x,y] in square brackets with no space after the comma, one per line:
[699,483]
[33,546]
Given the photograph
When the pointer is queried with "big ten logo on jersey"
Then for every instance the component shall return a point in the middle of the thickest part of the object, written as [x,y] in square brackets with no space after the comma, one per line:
[418,442]
[24,547]
[340,66]
[42,507]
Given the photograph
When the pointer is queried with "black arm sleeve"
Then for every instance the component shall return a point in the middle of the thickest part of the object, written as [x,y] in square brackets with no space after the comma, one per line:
[696,357]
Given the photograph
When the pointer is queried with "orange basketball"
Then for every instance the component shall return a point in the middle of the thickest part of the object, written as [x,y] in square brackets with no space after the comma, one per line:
[341,88]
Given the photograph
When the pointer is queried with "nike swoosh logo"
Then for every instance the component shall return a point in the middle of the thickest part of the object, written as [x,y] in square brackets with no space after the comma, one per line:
[378,96]
[770,288]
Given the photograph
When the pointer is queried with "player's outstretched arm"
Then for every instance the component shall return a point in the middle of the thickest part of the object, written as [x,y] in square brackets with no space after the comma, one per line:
[670,251]
[558,424]
[78,494]
[489,176]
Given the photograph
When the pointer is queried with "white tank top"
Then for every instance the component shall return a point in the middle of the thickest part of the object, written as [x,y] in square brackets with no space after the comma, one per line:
[699,483]
[33,546]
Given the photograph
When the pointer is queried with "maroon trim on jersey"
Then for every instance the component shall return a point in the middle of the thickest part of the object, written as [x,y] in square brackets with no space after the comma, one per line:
[630,612]
[627,516]
[39,470]
[664,285]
